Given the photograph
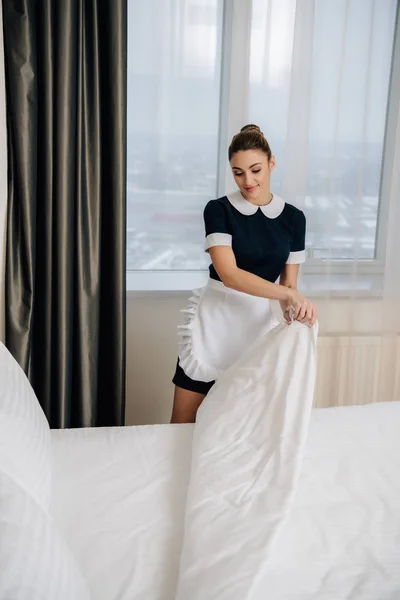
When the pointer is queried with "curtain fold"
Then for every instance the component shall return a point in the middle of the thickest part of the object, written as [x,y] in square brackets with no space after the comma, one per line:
[65,65]
[3,182]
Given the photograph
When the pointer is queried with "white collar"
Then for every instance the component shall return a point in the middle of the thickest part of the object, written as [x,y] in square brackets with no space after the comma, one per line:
[271,210]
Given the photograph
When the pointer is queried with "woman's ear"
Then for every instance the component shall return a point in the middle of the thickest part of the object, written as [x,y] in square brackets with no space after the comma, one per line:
[272,163]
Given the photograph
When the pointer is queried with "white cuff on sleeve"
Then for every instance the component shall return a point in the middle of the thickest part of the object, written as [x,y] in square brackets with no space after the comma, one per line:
[217,239]
[296,258]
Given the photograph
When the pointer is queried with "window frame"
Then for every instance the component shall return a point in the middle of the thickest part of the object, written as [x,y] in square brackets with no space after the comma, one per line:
[233,110]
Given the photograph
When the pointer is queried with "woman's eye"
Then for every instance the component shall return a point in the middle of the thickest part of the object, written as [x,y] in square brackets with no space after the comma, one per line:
[240,174]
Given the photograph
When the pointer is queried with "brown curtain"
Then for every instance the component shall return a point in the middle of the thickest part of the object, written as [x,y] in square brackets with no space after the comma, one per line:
[65,65]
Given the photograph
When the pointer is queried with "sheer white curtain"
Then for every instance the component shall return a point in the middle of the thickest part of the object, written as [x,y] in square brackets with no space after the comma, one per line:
[324,87]
[174,65]
[3,179]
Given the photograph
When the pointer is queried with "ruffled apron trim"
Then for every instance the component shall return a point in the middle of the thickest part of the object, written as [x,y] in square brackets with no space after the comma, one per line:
[192,366]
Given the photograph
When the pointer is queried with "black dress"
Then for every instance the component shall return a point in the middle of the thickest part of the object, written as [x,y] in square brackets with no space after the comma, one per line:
[263,240]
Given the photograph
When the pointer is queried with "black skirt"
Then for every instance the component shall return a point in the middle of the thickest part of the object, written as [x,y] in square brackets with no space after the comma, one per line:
[183,381]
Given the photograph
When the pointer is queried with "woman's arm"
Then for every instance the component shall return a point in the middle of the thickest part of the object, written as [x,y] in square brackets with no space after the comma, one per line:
[224,262]
[288,278]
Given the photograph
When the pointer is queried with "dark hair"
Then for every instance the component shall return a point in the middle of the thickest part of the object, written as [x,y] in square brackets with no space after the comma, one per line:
[250,137]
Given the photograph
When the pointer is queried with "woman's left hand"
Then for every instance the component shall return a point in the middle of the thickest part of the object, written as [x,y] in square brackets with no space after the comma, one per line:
[309,317]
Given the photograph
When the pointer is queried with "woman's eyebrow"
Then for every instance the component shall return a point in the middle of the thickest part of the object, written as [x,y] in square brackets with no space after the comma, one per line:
[251,166]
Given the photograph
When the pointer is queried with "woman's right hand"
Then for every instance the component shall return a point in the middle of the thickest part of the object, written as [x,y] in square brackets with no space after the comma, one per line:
[300,308]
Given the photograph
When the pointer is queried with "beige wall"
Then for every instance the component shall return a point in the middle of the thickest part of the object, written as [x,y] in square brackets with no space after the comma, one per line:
[151,357]
[152,346]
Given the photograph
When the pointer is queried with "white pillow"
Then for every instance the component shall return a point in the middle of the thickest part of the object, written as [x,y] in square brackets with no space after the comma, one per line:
[35,562]
[24,432]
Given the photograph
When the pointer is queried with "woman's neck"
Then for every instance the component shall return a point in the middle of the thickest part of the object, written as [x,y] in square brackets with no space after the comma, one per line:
[258,202]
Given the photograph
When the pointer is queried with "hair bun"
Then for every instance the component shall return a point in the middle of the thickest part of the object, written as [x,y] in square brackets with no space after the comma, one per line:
[251,127]
[250,137]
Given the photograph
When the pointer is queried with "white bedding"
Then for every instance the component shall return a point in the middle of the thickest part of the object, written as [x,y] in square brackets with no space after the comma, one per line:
[247,453]
[119,496]
[233,512]
[342,538]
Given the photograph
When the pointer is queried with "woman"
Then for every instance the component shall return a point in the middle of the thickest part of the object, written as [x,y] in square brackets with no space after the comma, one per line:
[254,240]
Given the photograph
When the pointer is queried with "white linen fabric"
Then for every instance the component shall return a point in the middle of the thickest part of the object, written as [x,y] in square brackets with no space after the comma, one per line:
[342,537]
[35,563]
[24,432]
[247,451]
[119,495]
[119,498]
[216,332]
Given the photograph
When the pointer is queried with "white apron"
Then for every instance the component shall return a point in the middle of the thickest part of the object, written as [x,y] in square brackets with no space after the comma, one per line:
[220,324]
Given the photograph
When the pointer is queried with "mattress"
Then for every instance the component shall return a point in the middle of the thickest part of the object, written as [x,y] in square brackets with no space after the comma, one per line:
[119,497]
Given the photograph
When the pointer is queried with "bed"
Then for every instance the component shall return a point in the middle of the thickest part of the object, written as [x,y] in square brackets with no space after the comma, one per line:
[123,502]
[345,525]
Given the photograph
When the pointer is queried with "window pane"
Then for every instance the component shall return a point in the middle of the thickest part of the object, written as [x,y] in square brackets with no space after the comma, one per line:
[350,74]
[174,59]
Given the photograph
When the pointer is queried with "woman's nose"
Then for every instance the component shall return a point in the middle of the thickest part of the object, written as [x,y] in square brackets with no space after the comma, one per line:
[247,180]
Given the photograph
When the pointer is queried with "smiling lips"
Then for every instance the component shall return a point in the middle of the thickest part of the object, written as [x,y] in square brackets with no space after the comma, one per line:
[250,189]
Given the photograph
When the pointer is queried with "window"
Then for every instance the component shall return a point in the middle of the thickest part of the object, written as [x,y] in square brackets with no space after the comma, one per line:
[174,61]
[329,135]
[348,73]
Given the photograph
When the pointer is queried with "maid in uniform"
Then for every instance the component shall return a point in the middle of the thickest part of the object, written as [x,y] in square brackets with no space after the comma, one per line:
[256,243]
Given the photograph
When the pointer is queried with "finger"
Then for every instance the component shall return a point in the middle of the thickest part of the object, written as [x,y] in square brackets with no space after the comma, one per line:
[311,320]
[314,317]
[296,312]
[290,312]
[287,316]
[310,312]
[308,315]
[302,313]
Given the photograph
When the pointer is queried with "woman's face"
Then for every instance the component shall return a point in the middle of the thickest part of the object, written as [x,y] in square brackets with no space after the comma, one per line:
[252,172]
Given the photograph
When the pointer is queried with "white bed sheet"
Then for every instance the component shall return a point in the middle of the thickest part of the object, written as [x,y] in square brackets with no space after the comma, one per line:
[343,532]
[247,451]
[119,496]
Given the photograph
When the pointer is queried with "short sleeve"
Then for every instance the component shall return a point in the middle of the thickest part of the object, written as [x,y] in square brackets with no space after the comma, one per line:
[218,231]
[298,244]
